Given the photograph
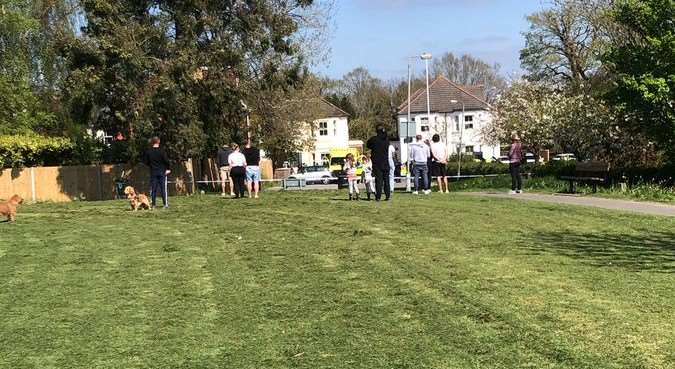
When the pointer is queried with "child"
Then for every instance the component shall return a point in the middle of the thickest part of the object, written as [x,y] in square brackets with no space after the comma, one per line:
[352,179]
[368,176]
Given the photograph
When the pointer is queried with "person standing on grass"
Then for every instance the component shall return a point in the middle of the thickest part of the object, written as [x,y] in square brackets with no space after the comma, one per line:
[439,154]
[430,166]
[379,152]
[368,180]
[392,167]
[419,154]
[252,155]
[223,155]
[156,158]
[352,180]
[237,162]
[515,159]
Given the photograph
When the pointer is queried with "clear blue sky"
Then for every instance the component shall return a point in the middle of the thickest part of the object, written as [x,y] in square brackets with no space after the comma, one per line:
[379,34]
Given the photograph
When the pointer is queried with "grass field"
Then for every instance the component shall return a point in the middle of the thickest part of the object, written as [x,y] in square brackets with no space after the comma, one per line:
[308,280]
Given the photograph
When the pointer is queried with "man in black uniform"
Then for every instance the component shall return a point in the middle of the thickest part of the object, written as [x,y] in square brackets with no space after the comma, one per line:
[379,152]
[156,159]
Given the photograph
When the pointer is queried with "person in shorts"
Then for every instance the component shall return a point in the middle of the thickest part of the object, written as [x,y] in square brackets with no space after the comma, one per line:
[252,155]
[439,154]
[223,154]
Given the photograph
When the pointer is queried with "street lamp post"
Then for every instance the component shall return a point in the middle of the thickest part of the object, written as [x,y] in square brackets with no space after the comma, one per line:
[426,57]
[459,147]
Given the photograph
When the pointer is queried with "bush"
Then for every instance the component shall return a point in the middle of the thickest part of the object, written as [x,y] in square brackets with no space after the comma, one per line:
[478,168]
[33,150]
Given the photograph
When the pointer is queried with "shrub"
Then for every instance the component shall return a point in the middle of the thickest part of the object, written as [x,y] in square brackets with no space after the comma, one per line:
[33,150]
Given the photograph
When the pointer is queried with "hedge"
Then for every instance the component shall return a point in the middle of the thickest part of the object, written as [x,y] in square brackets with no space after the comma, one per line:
[33,150]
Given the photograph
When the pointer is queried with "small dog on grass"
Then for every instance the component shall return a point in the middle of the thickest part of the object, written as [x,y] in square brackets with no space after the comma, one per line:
[136,200]
[8,208]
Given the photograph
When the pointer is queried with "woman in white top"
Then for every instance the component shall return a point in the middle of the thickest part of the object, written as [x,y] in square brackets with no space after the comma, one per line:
[237,162]
[392,167]
[439,154]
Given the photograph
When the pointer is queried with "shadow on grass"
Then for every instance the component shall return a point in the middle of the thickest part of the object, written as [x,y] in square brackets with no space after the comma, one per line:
[654,251]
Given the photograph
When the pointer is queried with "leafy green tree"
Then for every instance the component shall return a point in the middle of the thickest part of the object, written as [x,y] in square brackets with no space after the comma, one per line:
[644,67]
[180,69]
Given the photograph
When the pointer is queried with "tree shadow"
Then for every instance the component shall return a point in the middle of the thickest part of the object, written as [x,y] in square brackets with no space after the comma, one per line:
[653,251]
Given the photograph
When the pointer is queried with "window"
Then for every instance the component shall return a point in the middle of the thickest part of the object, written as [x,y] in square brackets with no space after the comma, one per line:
[468,122]
[334,128]
[457,123]
[425,128]
[323,128]
[468,149]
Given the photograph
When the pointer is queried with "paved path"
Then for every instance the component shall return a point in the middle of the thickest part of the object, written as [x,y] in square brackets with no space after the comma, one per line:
[650,208]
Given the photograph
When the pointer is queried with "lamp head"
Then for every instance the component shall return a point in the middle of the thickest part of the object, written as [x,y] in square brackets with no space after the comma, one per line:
[426,56]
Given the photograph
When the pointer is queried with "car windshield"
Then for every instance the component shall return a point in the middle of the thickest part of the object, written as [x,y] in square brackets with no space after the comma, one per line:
[337,161]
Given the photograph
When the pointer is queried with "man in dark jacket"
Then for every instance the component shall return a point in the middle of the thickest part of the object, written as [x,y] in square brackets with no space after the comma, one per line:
[379,152]
[156,159]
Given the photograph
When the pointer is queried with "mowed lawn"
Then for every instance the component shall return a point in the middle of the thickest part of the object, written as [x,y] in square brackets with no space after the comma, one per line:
[308,280]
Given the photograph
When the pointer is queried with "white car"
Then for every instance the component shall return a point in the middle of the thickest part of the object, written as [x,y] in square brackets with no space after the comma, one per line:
[564,157]
[314,174]
[529,158]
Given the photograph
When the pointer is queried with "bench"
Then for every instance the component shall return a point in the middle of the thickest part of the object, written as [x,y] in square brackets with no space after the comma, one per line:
[593,172]
[293,183]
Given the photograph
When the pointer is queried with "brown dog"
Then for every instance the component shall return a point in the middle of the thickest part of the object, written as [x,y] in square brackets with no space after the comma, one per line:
[8,208]
[136,200]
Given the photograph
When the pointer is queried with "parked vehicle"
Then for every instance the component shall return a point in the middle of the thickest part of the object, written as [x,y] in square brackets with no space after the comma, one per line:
[529,158]
[565,157]
[314,174]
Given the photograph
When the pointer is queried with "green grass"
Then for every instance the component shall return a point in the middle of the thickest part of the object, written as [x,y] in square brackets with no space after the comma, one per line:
[307,280]
[550,185]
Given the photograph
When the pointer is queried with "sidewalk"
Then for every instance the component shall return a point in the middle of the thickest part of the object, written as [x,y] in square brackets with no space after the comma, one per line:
[650,208]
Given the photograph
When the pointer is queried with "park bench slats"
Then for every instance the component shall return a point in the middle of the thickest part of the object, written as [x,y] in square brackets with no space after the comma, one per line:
[593,172]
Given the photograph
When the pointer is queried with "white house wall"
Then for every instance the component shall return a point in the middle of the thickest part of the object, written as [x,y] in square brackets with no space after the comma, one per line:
[445,124]
[337,136]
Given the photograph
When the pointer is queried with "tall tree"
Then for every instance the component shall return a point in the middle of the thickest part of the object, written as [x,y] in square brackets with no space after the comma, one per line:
[644,64]
[181,68]
[469,70]
[565,42]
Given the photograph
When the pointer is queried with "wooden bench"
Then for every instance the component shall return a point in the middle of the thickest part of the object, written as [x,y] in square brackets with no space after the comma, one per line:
[593,172]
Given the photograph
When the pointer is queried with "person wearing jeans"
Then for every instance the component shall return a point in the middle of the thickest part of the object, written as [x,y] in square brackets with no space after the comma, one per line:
[418,155]
[157,160]
[237,162]
[252,155]
[515,159]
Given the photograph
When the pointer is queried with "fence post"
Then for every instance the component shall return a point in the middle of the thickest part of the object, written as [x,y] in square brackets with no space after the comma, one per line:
[99,183]
[32,184]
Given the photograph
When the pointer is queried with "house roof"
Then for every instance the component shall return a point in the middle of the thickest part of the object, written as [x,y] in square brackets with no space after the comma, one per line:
[441,92]
[330,110]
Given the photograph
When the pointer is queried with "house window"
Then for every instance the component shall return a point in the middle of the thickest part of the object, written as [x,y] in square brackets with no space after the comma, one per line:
[325,160]
[468,149]
[468,122]
[323,128]
[334,128]
[425,128]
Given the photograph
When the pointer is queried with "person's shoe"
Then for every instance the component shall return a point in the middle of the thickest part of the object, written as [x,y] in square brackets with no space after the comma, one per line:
[426,192]
[166,207]
[351,197]
[256,196]
[223,194]
[519,191]
[512,192]
[415,193]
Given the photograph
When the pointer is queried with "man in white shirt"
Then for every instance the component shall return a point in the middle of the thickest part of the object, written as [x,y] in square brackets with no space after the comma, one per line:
[419,154]
[392,167]
[439,155]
